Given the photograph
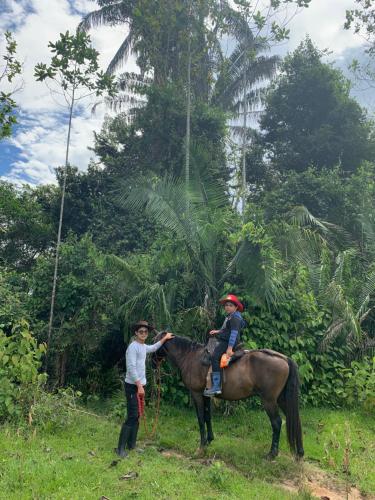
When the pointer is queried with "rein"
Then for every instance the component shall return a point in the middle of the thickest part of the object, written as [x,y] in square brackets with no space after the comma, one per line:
[141,407]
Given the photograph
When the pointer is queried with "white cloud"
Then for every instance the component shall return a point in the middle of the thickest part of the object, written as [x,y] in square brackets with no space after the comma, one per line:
[42,146]
[41,139]
[324,21]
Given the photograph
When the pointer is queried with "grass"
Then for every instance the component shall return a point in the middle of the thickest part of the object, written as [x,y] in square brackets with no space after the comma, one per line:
[244,438]
[76,462]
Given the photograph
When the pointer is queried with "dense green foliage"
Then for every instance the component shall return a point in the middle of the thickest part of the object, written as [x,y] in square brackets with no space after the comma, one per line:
[10,68]
[310,118]
[20,380]
[153,230]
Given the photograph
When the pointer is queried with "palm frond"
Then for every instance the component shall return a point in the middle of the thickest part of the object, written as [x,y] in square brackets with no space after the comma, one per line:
[154,301]
[239,131]
[261,273]
[165,201]
[110,15]
[123,102]
[236,23]
[120,266]
[345,320]
[121,55]
[368,289]
[300,216]
[133,82]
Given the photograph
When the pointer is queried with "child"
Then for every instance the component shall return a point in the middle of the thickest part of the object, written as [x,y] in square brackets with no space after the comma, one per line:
[228,337]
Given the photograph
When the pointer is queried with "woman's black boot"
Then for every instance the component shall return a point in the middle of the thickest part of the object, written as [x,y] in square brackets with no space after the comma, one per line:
[133,436]
[123,440]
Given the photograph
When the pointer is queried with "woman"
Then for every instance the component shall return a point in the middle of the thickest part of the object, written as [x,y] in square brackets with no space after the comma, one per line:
[135,380]
[228,337]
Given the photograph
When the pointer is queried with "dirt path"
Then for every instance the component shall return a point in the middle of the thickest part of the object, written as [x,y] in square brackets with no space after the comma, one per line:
[317,482]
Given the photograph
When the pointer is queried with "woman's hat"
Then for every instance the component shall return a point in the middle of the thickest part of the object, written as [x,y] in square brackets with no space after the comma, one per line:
[143,324]
[234,299]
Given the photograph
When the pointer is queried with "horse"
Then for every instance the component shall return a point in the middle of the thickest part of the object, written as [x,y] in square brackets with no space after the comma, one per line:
[262,372]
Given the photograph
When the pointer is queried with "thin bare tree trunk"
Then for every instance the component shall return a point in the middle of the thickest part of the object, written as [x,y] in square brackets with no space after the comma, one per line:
[188,113]
[62,371]
[243,184]
[54,284]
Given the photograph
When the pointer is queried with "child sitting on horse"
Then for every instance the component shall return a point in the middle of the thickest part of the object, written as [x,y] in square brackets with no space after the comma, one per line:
[228,337]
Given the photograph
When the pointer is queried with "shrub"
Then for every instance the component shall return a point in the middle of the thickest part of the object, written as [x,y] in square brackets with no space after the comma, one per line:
[53,411]
[360,383]
[20,380]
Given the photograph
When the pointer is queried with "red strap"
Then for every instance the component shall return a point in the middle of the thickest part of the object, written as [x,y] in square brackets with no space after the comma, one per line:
[141,404]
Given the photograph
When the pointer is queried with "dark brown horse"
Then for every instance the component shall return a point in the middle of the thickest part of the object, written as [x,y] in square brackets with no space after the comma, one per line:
[262,372]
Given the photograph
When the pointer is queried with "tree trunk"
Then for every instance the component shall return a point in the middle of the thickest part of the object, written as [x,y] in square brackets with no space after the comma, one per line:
[54,284]
[63,358]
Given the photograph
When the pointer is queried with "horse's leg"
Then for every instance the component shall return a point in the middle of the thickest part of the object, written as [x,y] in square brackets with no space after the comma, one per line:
[199,407]
[272,411]
[207,419]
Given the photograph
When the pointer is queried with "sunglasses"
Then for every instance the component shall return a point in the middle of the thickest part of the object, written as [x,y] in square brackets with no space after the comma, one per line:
[142,330]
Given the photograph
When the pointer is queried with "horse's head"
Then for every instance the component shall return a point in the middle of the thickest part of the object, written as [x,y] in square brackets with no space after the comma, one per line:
[160,354]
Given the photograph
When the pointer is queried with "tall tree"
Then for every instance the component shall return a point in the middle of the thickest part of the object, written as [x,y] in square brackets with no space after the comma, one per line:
[310,118]
[74,68]
[239,88]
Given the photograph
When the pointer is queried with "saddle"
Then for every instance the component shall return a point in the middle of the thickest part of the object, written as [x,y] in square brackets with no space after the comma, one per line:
[238,352]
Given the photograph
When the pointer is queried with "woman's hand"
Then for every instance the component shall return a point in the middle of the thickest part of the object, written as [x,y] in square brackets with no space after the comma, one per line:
[141,390]
[229,352]
[214,332]
[167,336]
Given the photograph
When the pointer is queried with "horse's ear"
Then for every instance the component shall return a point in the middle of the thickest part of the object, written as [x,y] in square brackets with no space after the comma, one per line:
[159,335]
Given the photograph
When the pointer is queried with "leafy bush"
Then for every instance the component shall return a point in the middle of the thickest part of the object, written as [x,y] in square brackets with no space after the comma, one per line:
[296,327]
[360,383]
[20,380]
[53,411]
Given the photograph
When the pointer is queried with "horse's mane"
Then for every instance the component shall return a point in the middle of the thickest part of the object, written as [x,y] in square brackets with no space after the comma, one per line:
[186,344]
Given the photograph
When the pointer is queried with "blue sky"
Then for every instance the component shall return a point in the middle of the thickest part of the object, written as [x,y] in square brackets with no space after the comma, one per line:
[38,144]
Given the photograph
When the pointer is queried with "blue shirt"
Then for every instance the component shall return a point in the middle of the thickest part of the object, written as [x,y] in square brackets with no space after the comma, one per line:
[231,329]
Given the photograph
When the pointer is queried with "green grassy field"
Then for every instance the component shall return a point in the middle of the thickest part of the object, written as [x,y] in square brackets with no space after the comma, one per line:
[78,461]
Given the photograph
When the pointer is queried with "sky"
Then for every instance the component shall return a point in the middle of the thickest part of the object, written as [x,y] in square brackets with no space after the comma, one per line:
[38,143]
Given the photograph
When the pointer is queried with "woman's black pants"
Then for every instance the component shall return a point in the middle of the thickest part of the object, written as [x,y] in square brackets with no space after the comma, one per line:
[131,404]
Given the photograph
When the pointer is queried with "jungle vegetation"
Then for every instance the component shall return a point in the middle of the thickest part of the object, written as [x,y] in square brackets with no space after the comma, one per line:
[190,199]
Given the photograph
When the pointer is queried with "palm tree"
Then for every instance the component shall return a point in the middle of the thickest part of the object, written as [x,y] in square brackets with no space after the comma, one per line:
[341,275]
[240,86]
[199,229]
[267,252]
[113,13]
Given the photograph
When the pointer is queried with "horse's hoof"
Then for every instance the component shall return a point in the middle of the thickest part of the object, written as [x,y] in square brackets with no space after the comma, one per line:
[271,456]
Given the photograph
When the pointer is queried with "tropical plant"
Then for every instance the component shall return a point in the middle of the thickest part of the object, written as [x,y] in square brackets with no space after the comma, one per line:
[83,312]
[8,72]
[20,360]
[197,221]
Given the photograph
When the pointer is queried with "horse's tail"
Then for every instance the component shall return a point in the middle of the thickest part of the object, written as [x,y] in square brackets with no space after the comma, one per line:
[289,403]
